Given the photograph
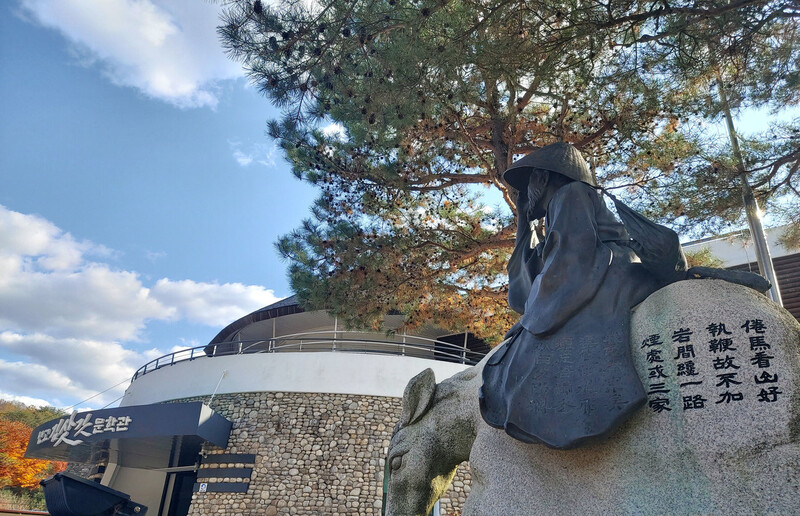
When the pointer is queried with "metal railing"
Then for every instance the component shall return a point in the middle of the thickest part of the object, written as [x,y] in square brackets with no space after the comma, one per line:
[331,341]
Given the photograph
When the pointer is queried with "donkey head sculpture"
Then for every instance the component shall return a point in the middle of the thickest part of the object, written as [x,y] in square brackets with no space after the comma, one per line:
[434,435]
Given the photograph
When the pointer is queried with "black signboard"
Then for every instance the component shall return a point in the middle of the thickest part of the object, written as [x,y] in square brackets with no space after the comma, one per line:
[156,427]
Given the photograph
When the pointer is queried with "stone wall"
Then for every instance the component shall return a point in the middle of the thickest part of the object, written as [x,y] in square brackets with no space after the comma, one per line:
[315,454]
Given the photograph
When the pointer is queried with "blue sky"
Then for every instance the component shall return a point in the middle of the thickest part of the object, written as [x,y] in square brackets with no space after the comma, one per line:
[139,196]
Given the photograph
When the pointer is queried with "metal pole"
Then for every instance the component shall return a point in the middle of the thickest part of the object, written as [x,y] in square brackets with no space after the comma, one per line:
[750,203]
[224,374]
[464,351]
[271,346]
[335,330]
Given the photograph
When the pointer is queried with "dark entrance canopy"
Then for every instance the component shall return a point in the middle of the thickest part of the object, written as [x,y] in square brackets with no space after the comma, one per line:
[144,435]
[71,495]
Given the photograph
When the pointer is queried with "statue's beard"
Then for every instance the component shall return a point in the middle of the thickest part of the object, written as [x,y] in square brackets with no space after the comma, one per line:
[535,193]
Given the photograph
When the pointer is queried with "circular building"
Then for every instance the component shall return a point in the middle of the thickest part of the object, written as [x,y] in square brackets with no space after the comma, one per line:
[283,412]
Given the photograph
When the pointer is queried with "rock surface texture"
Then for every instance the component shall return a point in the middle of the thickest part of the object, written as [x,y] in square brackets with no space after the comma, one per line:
[720,433]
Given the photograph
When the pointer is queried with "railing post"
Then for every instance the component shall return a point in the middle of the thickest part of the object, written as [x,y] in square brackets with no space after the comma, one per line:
[464,351]
[335,331]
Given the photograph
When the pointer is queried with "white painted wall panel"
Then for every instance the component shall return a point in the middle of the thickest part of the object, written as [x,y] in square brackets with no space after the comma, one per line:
[324,372]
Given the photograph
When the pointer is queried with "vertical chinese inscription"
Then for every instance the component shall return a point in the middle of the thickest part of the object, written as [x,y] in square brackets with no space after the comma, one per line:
[687,370]
[725,364]
[761,358]
[657,392]
[721,365]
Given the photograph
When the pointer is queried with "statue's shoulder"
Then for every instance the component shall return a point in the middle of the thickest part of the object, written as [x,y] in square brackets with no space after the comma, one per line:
[577,191]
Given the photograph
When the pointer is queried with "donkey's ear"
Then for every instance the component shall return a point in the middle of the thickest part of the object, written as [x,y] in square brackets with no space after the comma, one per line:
[417,397]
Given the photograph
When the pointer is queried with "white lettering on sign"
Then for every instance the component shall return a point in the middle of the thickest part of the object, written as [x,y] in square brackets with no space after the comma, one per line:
[70,430]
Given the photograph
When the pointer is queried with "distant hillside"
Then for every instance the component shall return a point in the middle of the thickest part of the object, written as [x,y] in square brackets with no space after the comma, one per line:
[27,415]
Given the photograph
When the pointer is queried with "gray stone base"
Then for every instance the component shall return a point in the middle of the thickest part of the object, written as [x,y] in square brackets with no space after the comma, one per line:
[718,436]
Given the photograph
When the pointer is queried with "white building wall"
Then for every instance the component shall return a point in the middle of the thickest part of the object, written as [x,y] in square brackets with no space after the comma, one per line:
[323,372]
[736,250]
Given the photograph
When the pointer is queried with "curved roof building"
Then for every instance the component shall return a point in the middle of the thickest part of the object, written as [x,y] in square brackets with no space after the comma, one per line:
[282,412]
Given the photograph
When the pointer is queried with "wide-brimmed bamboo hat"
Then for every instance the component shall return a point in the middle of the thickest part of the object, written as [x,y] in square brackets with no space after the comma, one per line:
[560,157]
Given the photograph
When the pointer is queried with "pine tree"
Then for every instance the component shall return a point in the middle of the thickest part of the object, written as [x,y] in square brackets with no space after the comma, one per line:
[433,100]
[743,59]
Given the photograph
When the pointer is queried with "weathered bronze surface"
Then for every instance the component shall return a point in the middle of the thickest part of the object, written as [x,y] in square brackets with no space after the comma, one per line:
[566,375]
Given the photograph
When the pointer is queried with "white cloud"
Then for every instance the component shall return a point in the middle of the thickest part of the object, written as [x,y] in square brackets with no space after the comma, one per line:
[335,130]
[153,256]
[210,303]
[91,302]
[27,400]
[187,344]
[89,365]
[242,158]
[166,49]
[47,284]
[72,319]
[48,246]
[257,152]
[39,381]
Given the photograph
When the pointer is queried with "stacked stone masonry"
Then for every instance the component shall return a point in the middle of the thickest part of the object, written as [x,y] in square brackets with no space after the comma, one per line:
[315,454]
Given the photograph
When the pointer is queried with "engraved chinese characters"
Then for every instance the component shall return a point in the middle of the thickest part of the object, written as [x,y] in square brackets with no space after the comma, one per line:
[725,365]
[740,362]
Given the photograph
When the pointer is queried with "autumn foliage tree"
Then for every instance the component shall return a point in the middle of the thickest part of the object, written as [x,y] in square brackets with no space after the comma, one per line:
[18,474]
[406,113]
[15,469]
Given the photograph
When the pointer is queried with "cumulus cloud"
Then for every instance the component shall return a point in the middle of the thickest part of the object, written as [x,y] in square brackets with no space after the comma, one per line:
[255,153]
[27,400]
[210,303]
[47,284]
[86,363]
[39,381]
[72,319]
[166,49]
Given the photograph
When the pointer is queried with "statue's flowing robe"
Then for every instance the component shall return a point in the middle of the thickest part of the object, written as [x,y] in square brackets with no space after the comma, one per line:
[567,375]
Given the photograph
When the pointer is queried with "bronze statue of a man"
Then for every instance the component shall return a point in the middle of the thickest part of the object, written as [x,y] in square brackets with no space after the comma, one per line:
[565,376]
